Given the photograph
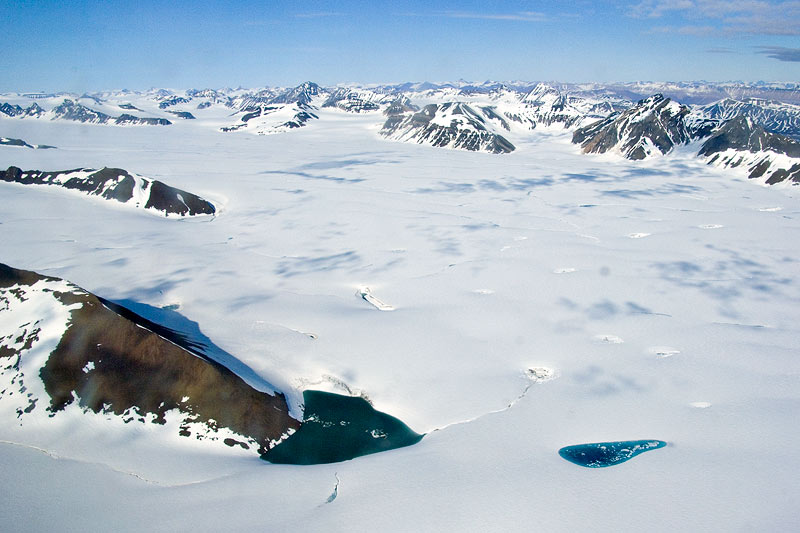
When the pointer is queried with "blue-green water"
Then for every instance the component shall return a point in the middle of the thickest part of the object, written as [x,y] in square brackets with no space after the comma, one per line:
[337,428]
[601,454]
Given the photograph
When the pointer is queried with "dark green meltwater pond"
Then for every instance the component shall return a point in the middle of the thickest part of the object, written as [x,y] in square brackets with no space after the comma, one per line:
[337,428]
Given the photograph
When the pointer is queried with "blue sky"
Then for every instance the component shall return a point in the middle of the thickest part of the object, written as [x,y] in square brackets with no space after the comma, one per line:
[86,45]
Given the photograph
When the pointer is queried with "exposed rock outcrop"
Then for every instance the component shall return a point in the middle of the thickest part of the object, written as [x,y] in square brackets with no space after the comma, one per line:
[740,142]
[120,185]
[652,127]
[449,125]
[113,363]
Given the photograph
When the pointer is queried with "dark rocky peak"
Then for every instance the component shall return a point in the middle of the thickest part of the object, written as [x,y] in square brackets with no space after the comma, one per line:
[126,119]
[71,110]
[10,110]
[653,126]
[173,100]
[741,142]
[33,110]
[302,94]
[742,133]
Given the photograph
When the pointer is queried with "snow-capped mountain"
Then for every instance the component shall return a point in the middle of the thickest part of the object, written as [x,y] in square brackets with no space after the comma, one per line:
[267,119]
[268,112]
[546,106]
[449,125]
[653,127]
[773,116]
[72,110]
[117,184]
[65,350]
[489,116]
[16,111]
[355,100]
[741,142]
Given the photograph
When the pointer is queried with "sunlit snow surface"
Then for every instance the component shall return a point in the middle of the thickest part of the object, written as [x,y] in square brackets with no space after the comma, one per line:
[493,265]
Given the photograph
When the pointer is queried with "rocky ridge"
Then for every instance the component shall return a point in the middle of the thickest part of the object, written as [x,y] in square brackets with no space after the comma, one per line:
[119,185]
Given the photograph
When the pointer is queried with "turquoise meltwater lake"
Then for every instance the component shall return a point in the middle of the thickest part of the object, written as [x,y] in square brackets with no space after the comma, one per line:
[602,454]
[337,428]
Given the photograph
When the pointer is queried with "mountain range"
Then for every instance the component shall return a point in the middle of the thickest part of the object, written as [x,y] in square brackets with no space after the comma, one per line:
[488,117]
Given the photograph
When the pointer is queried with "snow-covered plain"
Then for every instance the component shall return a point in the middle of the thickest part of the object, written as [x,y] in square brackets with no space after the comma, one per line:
[662,295]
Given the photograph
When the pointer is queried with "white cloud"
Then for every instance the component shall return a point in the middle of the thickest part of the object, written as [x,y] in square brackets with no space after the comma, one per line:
[737,17]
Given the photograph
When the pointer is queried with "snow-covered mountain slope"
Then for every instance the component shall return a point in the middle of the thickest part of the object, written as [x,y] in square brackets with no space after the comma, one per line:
[356,100]
[268,112]
[741,142]
[449,125]
[303,94]
[653,127]
[63,349]
[34,110]
[74,111]
[267,119]
[120,185]
[773,116]
[546,106]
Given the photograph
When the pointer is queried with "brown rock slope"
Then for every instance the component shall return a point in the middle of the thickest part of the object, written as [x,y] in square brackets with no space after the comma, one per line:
[111,363]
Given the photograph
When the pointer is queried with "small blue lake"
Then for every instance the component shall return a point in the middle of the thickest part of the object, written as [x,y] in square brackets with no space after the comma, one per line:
[337,428]
[602,454]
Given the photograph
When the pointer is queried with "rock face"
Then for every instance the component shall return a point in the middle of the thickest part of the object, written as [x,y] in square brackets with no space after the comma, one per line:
[773,116]
[6,141]
[117,184]
[302,94]
[16,111]
[71,110]
[450,125]
[544,105]
[126,119]
[654,126]
[740,142]
[60,345]
[174,100]
[354,101]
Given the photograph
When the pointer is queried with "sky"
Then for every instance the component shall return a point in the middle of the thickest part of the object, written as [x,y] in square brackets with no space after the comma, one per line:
[102,45]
